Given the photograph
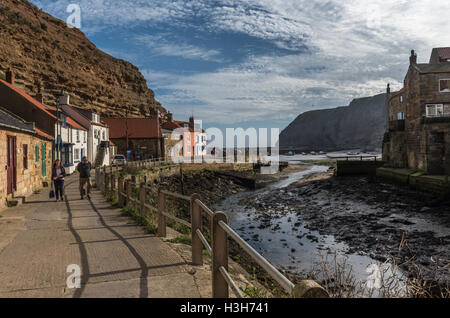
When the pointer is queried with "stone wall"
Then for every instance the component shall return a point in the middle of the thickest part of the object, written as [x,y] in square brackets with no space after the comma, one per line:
[29,179]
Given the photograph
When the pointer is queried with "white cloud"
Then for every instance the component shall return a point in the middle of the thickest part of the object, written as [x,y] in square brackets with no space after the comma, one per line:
[355,48]
[161,46]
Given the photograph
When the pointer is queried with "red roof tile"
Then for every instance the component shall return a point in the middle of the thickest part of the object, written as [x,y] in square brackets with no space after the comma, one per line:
[138,128]
[170,125]
[444,52]
[69,120]
[41,133]
[28,98]
[45,108]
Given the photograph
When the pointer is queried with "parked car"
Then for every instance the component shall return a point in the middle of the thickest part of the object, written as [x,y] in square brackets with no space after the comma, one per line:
[119,160]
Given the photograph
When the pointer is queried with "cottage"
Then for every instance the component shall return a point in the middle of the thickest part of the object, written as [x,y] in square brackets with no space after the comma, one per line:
[190,134]
[418,136]
[99,149]
[26,155]
[144,136]
[48,119]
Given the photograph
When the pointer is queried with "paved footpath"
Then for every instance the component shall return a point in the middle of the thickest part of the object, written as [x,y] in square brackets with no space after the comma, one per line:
[40,238]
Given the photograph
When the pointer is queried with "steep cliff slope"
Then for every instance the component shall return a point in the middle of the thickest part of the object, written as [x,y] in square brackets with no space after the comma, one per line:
[360,125]
[41,48]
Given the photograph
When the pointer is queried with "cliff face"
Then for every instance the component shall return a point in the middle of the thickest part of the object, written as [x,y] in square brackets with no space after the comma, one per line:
[42,49]
[362,125]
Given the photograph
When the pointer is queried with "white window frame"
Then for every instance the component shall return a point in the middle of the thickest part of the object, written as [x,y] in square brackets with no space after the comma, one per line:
[437,112]
[401,116]
[401,99]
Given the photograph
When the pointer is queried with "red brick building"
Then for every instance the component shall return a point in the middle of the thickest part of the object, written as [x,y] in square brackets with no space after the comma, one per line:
[419,117]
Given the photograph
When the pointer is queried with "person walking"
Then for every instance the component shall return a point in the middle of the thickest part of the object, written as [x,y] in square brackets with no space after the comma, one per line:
[84,168]
[58,175]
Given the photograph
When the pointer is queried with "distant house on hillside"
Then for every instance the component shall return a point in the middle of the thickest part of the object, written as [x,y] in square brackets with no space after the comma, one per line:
[145,139]
[418,137]
[25,153]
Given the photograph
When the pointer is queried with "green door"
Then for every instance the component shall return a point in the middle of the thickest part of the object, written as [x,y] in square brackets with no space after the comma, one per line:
[44,160]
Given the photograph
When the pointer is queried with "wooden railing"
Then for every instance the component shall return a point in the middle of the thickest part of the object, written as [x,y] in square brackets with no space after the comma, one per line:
[220,232]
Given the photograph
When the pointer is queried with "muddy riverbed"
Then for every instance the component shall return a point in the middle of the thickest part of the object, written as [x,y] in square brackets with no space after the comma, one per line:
[298,221]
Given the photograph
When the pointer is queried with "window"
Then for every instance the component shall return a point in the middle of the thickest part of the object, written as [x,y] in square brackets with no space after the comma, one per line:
[444,85]
[435,110]
[66,155]
[401,99]
[78,135]
[103,135]
[401,116]
[25,157]
[77,155]
[36,153]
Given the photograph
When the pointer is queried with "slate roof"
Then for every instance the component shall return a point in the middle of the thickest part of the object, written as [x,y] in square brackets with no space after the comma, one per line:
[11,121]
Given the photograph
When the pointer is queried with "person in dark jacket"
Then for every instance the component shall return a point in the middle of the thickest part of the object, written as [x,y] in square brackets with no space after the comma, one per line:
[58,175]
[84,168]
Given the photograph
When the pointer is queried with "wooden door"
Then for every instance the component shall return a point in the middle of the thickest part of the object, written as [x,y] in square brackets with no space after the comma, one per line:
[11,164]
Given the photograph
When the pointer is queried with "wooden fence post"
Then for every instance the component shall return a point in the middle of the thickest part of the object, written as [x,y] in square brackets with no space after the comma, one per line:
[113,183]
[120,197]
[196,224]
[219,242]
[106,190]
[97,177]
[142,199]
[129,193]
[309,289]
[161,217]
[104,179]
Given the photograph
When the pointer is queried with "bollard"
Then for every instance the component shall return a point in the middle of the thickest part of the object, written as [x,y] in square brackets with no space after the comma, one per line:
[142,199]
[161,217]
[120,190]
[196,224]
[219,247]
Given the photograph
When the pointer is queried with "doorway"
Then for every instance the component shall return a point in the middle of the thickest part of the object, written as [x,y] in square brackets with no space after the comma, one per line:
[11,164]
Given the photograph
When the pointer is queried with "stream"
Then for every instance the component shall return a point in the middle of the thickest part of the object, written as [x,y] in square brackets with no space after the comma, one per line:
[294,248]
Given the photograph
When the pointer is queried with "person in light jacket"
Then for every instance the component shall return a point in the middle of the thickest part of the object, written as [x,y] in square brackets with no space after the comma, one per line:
[58,175]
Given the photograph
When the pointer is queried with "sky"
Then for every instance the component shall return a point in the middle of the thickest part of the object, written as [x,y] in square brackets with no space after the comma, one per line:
[261,63]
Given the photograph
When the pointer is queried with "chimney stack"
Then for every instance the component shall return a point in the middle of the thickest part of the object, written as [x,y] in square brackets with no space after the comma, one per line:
[10,76]
[169,117]
[388,90]
[191,121]
[413,57]
[64,99]
[39,95]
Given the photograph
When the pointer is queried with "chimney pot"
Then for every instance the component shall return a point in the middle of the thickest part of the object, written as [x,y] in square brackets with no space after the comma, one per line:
[64,99]
[413,58]
[10,76]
